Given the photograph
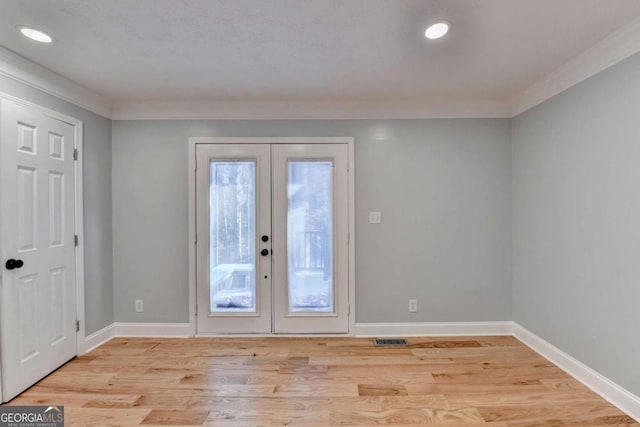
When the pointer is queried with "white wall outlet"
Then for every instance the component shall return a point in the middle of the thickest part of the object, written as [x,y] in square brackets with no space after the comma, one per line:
[139,306]
[375,217]
[413,305]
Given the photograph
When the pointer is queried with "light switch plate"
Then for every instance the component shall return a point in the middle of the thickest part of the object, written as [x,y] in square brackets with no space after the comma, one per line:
[375,217]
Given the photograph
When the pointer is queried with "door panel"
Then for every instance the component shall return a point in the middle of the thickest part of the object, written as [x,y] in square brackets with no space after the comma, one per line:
[310,232]
[232,225]
[37,227]
[310,236]
[233,197]
[27,203]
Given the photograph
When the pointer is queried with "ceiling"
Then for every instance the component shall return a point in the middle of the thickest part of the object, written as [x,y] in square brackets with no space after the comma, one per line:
[315,51]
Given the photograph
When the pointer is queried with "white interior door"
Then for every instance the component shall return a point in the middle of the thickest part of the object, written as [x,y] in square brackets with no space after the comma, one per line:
[37,205]
[272,208]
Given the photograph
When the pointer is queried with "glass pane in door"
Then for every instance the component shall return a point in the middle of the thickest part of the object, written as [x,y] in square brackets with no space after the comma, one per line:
[232,243]
[310,236]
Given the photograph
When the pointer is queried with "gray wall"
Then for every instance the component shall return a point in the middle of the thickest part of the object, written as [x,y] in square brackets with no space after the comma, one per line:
[443,187]
[97,201]
[576,222]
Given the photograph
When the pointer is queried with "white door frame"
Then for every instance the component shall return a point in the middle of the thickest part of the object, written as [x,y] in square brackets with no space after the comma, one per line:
[78,133]
[286,140]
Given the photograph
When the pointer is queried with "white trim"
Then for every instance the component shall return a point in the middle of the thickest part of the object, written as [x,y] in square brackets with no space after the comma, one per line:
[313,109]
[164,330]
[609,51]
[607,389]
[351,196]
[79,231]
[433,329]
[29,73]
[191,239]
[268,140]
[274,335]
[98,338]
[141,330]
[623,399]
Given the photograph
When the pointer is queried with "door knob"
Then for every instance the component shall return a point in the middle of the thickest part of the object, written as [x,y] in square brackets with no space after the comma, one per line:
[265,238]
[264,252]
[13,263]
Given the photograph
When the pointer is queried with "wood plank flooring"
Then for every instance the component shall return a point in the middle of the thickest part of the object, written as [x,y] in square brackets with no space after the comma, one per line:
[461,381]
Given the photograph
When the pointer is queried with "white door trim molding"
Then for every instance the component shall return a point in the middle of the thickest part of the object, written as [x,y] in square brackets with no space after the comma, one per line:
[79,211]
[271,140]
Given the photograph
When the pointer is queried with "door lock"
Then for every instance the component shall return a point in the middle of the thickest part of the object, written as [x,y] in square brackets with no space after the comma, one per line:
[13,264]
[264,252]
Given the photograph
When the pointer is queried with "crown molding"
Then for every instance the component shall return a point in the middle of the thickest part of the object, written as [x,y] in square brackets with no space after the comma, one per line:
[609,51]
[300,110]
[34,75]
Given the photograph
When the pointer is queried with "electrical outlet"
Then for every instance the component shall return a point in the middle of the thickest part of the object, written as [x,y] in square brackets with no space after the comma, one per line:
[375,217]
[139,306]
[413,305]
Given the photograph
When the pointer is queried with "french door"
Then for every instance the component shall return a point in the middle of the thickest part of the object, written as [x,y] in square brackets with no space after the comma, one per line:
[37,224]
[272,238]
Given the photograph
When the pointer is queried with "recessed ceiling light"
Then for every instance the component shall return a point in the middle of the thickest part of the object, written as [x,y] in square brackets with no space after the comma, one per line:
[437,30]
[36,35]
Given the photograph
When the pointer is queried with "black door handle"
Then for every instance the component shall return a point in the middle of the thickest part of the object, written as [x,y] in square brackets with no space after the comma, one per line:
[264,252]
[265,238]
[13,263]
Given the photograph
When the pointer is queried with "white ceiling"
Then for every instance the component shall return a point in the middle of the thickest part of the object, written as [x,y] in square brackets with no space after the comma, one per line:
[314,51]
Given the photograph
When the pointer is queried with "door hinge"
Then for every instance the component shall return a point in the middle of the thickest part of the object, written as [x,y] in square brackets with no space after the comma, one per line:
[75,154]
[77,326]
[196,309]
[75,240]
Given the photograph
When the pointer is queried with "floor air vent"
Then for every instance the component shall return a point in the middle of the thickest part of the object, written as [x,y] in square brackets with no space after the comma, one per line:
[390,341]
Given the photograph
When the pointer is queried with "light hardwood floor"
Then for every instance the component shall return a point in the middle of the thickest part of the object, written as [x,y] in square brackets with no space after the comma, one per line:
[461,381]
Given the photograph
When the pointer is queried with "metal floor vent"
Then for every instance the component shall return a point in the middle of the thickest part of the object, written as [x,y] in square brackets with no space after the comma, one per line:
[390,341]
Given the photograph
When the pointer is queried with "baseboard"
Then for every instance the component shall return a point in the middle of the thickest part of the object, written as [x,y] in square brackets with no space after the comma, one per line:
[153,330]
[433,329]
[98,338]
[123,329]
[607,389]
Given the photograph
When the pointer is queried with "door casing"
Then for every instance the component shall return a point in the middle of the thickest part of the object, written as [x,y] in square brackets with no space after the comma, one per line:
[193,142]
[78,134]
